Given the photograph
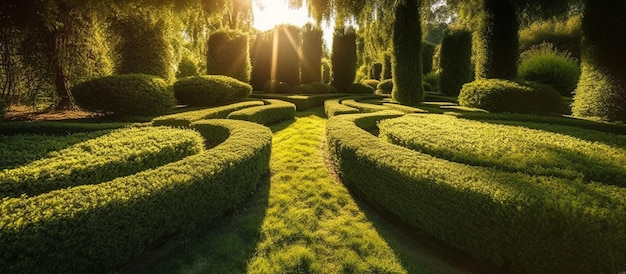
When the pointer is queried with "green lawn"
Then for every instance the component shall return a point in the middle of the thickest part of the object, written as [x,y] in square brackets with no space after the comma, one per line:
[301,221]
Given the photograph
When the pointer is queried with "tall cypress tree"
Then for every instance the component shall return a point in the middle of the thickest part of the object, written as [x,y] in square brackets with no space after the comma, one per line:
[311,63]
[496,40]
[407,57]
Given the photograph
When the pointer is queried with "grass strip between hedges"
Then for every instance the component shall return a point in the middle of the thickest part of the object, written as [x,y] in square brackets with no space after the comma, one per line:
[93,228]
[508,148]
[538,224]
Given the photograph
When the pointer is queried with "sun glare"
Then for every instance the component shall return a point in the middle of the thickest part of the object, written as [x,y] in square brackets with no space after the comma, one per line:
[269,13]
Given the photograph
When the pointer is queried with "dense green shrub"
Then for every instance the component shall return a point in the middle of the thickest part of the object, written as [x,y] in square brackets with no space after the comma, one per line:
[311,63]
[385,86]
[322,88]
[99,228]
[187,67]
[496,44]
[600,91]
[334,107]
[344,58]
[376,71]
[386,74]
[545,64]
[304,89]
[275,86]
[530,217]
[565,35]
[145,46]
[261,55]
[287,57]
[126,94]
[553,154]
[371,82]
[327,72]
[428,52]
[359,88]
[185,119]
[210,90]
[121,153]
[455,61]
[54,127]
[274,111]
[407,54]
[431,81]
[498,95]
[229,54]
[363,106]
[302,101]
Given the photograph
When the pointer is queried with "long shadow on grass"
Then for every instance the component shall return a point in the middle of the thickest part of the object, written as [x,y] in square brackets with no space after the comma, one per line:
[221,246]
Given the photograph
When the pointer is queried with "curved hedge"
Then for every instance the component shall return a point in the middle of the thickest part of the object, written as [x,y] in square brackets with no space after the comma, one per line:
[274,111]
[508,148]
[537,224]
[126,94]
[93,228]
[210,90]
[334,107]
[185,119]
[120,153]
[498,95]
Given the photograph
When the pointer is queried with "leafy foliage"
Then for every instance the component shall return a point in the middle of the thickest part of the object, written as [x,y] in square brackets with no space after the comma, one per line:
[359,88]
[274,111]
[376,71]
[310,65]
[150,205]
[428,51]
[261,55]
[210,90]
[498,95]
[496,41]
[228,55]
[545,64]
[565,35]
[334,107]
[126,94]
[344,58]
[187,67]
[287,58]
[455,61]
[407,54]
[454,198]
[385,86]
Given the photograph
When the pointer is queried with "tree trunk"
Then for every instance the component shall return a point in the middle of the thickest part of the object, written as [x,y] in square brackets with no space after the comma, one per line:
[53,53]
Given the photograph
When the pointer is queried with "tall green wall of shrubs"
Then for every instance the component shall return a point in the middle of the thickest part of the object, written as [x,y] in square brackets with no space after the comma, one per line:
[407,58]
[287,54]
[496,40]
[229,55]
[344,58]
[144,46]
[428,52]
[311,63]
[455,61]
[261,58]
[601,90]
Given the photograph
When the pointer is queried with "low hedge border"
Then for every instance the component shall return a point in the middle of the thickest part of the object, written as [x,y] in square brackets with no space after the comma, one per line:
[333,107]
[403,108]
[94,228]
[54,128]
[120,153]
[185,119]
[363,107]
[273,112]
[537,224]
[302,101]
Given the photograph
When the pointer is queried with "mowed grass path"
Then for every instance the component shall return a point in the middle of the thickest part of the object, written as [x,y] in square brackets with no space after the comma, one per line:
[301,221]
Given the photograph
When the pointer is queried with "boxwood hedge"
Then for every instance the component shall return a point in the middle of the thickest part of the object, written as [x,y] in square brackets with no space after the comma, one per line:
[210,90]
[274,111]
[333,107]
[94,228]
[535,224]
[120,153]
[185,119]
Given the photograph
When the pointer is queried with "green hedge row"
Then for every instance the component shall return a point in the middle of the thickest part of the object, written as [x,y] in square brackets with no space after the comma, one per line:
[537,224]
[54,128]
[334,107]
[210,90]
[95,228]
[185,119]
[302,102]
[363,107]
[508,148]
[274,111]
[120,153]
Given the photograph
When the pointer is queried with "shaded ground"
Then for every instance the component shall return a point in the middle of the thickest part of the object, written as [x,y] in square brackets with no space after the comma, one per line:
[25,113]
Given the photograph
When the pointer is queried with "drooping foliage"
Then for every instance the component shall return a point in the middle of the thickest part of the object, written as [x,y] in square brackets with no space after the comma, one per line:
[229,55]
[455,61]
[601,91]
[407,59]
[496,40]
[310,65]
[344,58]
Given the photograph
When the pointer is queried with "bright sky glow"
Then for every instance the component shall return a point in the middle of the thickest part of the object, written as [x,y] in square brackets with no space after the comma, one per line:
[276,12]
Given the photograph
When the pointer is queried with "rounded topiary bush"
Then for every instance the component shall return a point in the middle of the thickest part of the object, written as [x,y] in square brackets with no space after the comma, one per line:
[303,89]
[126,94]
[497,95]
[275,86]
[359,88]
[321,88]
[545,64]
[210,90]
[431,81]
[385,86]
[187,67]
[376,71]
[371,82]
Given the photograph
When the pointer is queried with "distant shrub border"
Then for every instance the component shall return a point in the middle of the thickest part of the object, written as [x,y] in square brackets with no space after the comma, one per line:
[498,95]
[210,90]
[125,94]
[120,153]
[185,119]
[274,111]
[92,228]
[526,220]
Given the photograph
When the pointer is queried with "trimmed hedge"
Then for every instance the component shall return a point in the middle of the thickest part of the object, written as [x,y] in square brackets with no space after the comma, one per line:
[274,111]
[275,86]
[403,108]
[229,55]
[311,63]
[371,82]
[363,107]
[455,61]
[359,88]
[508,148]
[496,44]
[302,102]
[428,52]
[261,55]
[376,71]
[94,228]
[407,54]
[498,95]
[304,89]
[120,153]
[334,107]
[536,224]
[344,58]
[545,64]
[210,90]
[127,94]
[322,88]
[385,86]
[186,118]
[54,127]
[287,59]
